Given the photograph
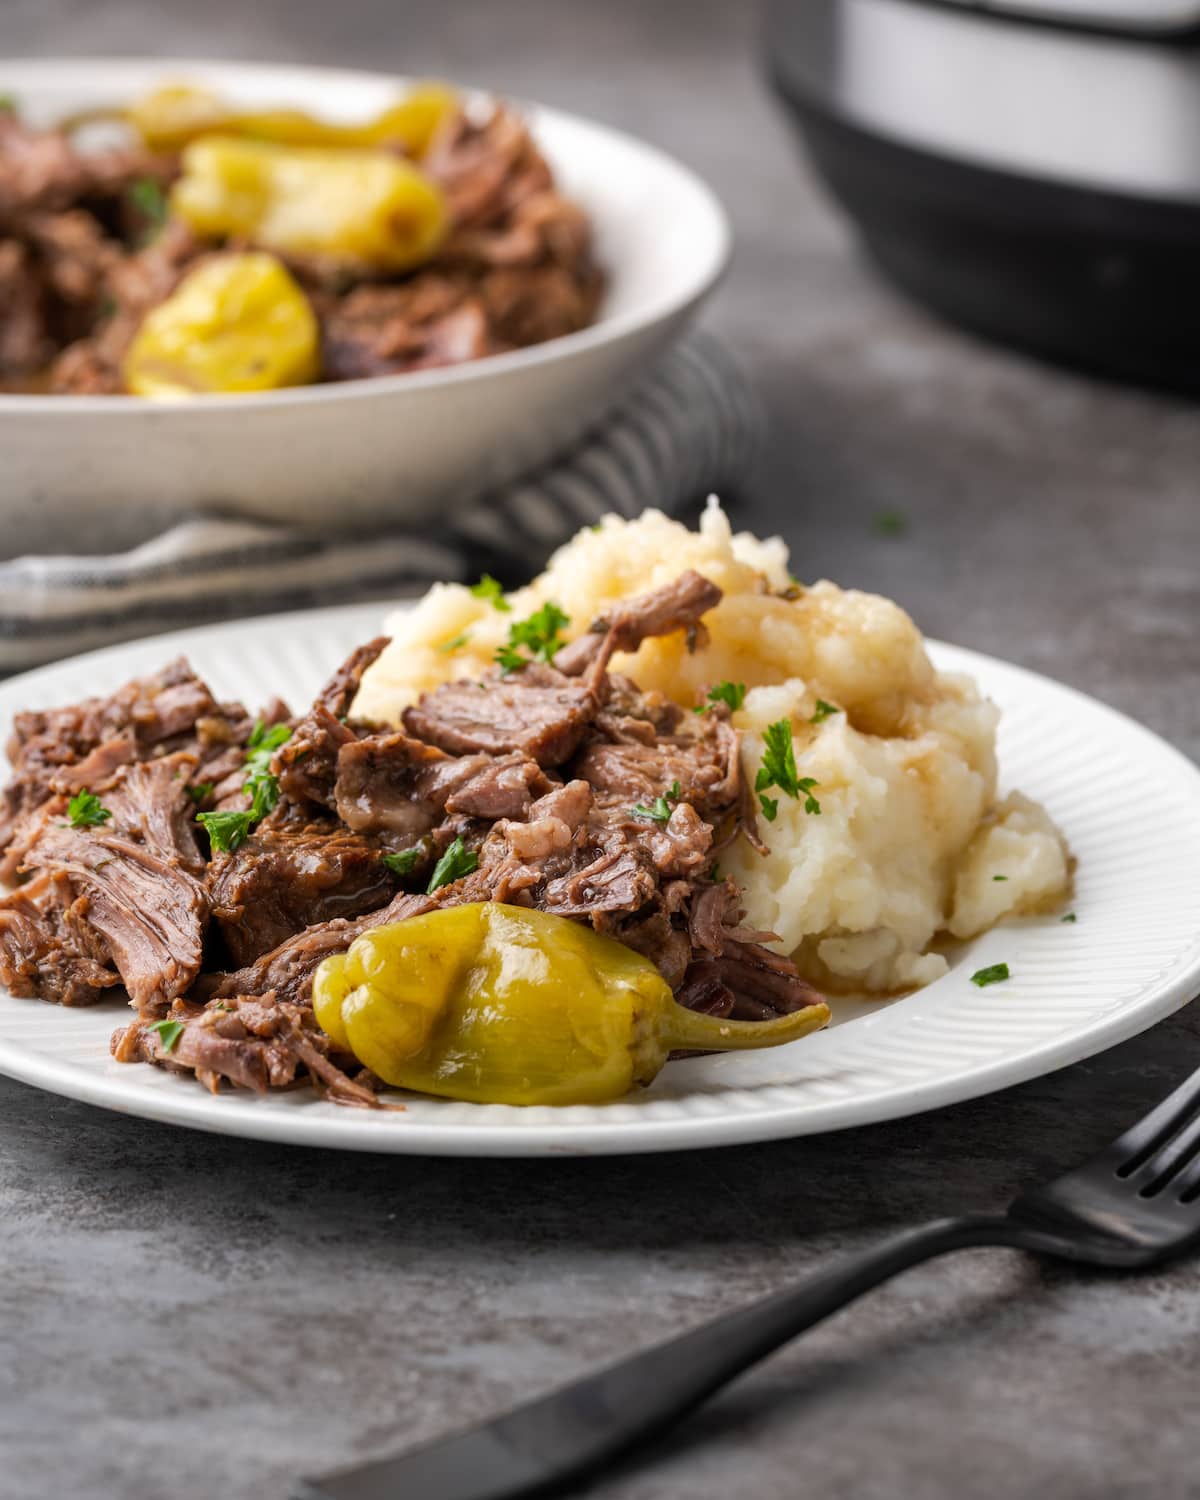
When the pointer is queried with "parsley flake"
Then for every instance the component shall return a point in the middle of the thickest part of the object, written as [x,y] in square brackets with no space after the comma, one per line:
[890,523]
[201,790]
[659,810]
[404,862]
[1070,917]
[993,974]
[261,784]
[227,831]
[540,635]
[262,745]
[455,643]
[492,590]
[999,877]
[147,196]
[456,862]
[823,711]
[85,810]
[778,769]
[8,105]
[169,1033]
[731,693]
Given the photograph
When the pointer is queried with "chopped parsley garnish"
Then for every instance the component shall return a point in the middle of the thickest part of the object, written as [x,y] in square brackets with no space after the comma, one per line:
[779,769]
[201,790]
[402,863]
[999,877]
[540,635]
[264,796]
[715,874]
[169,1033]
[261,747]
[890,523]
[85,810]
[227,831]
[659,810]
[509,659]
[993,974]
[262,786]
[732,693]
[492,590]
[457,861]
[147,196]
[455,643]
[823,711]
[8,104]
[1070,917]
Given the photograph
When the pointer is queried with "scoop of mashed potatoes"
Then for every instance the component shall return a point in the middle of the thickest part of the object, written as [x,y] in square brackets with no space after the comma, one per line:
[910,835]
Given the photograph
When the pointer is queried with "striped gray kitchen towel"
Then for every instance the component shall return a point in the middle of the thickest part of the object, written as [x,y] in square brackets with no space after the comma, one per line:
[690,427]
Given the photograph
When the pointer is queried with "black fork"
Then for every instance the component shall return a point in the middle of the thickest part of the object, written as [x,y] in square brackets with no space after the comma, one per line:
[1134,1205]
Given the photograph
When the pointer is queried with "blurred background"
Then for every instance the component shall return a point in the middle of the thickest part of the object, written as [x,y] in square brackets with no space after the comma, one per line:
[1009,505]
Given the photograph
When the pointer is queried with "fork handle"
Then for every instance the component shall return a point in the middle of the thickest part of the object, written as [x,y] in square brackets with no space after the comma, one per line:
[576,1430]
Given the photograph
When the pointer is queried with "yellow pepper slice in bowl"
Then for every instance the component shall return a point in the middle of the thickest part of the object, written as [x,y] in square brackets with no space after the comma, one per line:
[367,206]
[170,117]
[503,1004]
[234,323]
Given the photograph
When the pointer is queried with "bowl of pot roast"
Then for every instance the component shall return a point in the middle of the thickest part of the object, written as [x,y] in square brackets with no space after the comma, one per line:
[318,296]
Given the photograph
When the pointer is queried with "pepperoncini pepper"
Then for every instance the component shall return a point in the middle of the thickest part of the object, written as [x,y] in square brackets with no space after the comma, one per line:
[505,1005]
[234,323]
[366,206]
[172,116]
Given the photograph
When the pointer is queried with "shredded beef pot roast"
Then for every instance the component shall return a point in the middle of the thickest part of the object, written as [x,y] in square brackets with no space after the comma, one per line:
[81,263]
[578,794]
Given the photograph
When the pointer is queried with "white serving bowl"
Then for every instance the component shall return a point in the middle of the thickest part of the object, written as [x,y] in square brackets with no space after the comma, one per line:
[96,473]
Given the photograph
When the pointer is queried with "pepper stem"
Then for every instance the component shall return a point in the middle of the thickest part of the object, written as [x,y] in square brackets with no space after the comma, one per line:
[695,1029]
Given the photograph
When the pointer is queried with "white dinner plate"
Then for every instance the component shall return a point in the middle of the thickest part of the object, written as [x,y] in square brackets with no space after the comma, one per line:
[1128,804]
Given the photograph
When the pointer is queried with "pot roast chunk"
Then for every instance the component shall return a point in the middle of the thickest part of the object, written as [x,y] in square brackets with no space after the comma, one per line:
[678,605]
[291,874]
[82,745]
[307,764]
[700,771]
[748,982]
[535,711]
[47,951]
[25,340]
[136,903]
[148,910]
[41,169]
[252,1042]
[287,971]
[430,320]
[392,783]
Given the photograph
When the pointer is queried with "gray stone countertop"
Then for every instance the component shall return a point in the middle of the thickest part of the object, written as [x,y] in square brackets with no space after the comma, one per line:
[186,1316]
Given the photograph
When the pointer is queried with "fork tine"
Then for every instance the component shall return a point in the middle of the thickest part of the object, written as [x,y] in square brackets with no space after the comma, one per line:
[1172,1158]
[1187,1187]
[1153,1131]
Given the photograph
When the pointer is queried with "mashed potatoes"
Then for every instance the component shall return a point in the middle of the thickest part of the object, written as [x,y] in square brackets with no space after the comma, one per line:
[910,836]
